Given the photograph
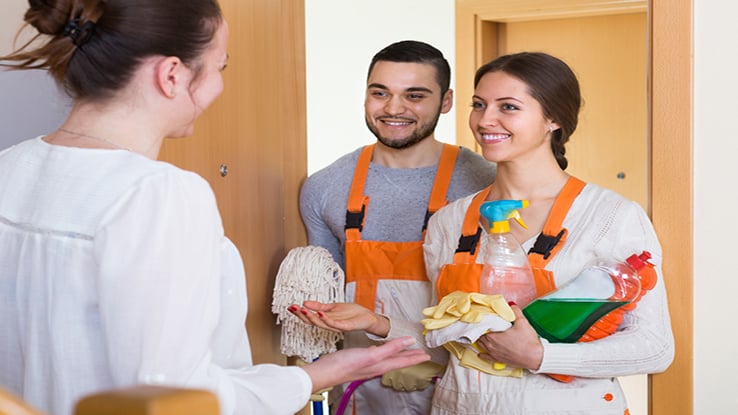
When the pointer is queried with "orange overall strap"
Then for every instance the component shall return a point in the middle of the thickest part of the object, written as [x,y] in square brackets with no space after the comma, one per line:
[463,273]
[444,173]
[553,236]
[357,202]
[466,252]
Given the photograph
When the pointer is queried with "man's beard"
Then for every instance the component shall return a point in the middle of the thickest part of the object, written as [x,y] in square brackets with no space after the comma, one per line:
[423,132]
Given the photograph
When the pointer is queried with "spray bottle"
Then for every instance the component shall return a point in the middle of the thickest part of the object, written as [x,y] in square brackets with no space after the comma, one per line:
[567,314]
[506,269]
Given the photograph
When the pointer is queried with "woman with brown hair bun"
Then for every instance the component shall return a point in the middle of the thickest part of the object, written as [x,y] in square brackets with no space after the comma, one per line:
[114,268]
[524,109]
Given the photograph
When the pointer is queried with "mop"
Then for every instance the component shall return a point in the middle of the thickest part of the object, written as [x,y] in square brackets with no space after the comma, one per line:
[306,273]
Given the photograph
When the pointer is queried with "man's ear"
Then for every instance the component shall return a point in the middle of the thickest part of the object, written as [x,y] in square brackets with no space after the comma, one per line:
[447,101]
[169,74]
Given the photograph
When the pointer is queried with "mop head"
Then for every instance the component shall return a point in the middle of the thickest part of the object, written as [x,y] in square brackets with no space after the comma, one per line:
[306,273]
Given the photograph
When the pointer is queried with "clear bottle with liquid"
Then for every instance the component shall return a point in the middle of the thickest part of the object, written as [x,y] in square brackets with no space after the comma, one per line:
[506,269]
[565,315]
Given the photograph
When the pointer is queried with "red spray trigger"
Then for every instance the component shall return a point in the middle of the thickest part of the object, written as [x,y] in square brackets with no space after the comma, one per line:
[638,262]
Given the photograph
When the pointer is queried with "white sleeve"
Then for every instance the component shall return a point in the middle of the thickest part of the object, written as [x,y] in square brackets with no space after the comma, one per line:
[159,253]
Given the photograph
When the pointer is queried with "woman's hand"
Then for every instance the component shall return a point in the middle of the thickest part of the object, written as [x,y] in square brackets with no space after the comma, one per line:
[518,346]
[341,317]
[363,362]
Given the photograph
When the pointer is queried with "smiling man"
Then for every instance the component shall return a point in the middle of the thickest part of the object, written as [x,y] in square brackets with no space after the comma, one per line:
[370,207]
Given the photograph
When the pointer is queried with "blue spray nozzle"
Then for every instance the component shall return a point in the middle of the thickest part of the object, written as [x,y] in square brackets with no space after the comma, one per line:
[497,212]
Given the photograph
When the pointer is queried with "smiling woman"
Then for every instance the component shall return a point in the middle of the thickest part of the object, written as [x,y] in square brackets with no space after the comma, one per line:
[525,109]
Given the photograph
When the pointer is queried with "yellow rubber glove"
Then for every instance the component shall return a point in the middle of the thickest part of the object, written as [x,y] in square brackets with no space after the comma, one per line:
[470,308]
[496,303]
[413,378]
[468,357]
[477,312]
[455,304]
[467,307]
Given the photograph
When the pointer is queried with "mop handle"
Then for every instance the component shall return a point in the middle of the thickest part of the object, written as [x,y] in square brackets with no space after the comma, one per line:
[343,403]
[347,395]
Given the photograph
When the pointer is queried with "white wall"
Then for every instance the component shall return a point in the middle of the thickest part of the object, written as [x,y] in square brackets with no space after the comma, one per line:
[30,103]
[341,39]
[715,207]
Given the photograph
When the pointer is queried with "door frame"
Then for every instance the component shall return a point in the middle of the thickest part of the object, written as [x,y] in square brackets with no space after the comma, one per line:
[670,127]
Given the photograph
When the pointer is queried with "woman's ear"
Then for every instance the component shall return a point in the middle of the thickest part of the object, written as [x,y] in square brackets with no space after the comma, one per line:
[169,75]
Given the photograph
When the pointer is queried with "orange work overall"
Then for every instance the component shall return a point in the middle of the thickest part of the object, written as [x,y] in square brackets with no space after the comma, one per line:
[463,274]
[368,262]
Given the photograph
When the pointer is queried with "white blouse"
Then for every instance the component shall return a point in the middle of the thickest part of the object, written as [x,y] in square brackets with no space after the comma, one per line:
[114,271]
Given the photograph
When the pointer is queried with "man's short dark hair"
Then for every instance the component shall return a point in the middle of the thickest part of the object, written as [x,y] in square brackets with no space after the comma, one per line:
[413,51]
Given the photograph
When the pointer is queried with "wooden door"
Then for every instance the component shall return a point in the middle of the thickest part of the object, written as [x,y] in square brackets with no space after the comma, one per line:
[610,145]
[257,131]
[668,151]
[608,54]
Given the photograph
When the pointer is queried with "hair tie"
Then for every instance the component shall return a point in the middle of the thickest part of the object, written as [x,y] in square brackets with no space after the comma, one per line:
[79,34]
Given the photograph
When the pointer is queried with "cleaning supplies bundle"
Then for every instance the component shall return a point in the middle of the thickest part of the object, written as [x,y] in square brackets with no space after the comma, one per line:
[589,307]
[461,318]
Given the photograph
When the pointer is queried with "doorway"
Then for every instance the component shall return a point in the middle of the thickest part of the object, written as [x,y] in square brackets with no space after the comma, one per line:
[610,145]
[669,115]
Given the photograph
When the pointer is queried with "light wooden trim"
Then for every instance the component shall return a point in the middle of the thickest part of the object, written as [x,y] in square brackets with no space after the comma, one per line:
[522,10]
[671,92]
[12,404]
[467,60]
[295,149]
[149,400]
[671,118]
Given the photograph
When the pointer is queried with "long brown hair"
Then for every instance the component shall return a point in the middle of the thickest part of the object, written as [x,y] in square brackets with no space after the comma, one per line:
[93,47]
